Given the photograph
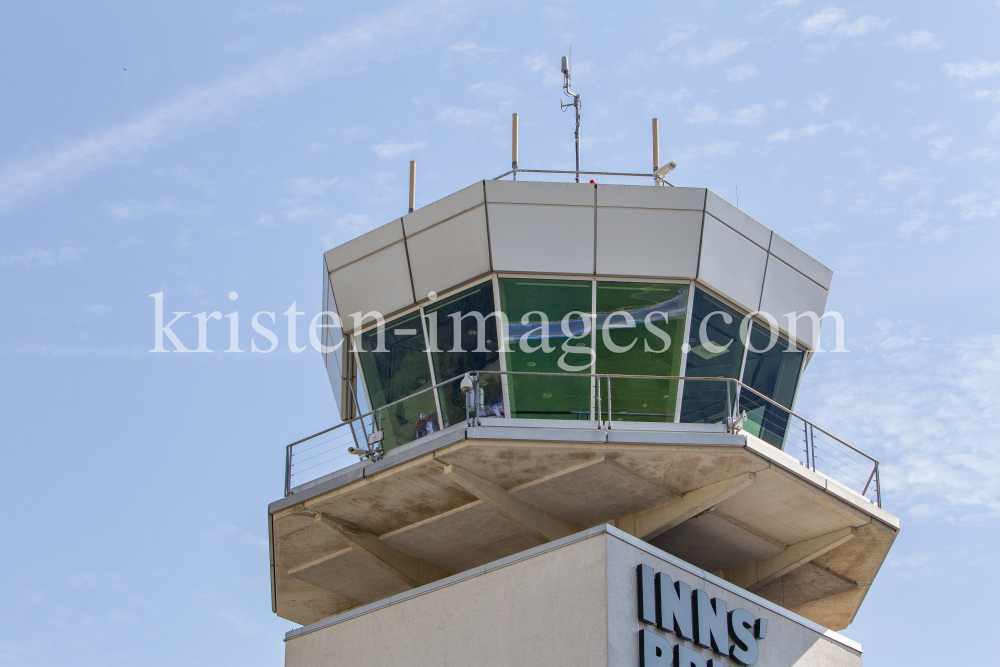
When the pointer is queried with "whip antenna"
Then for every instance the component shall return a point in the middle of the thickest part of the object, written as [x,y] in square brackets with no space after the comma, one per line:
[575,104]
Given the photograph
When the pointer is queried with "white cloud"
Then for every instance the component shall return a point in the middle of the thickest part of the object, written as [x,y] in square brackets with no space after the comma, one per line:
[832,21]
[265,220]
[466,117]
[776,4]
[701,113]
[299,212]
[390,149]
[241,622]
[940,146]
[98,309]
[972,69]
[501,92]
[720,148]
[822,22]
[127,210]
[41,257]
[347,227]
[895,180]
[474,50]
[310,185]
[918,39]
[860,27]
[994,125]
[741,73]
[717,52]
[808,131]
[917,226]
[273,76]
[918,405]
[749,116]
[679,33]
[976,205]
[983,154]
[819,101]
[284,8]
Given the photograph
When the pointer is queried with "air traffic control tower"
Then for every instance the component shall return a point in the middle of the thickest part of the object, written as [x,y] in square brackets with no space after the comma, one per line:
[572,441]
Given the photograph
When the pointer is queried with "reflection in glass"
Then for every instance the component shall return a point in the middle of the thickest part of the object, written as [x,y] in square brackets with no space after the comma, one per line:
[477,331]
[640,331]
[396,373]
[547,397]
[773,372]
[715,350]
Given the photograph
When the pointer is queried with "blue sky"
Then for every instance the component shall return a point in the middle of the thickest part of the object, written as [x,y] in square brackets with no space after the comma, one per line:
[199,150]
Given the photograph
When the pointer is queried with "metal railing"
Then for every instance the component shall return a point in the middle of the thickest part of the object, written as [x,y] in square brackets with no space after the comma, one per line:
[600,399]
[515,172]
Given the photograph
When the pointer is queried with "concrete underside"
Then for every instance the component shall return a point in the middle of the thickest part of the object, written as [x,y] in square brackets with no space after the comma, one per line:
[727,503]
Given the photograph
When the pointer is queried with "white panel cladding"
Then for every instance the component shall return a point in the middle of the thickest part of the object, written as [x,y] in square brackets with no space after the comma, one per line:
[443,209]
[542,239]
[527,192]
[738,220]
[788,291]
[648,242]
[449,253]
[379,282]
[800,261]
[731,264]
[644,196]
[366,244]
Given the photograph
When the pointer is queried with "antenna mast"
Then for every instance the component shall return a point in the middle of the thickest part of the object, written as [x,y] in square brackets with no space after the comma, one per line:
[576,104]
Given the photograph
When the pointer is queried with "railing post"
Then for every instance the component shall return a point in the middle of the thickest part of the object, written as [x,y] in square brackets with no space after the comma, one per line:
[600,409]
[288,471]
[812,446]
[729,401]
[805,436]
[878,486]
[609,401]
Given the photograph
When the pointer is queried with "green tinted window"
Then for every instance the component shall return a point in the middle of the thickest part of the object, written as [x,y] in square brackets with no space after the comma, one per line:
[471,313]
[640,332]
[396,373]
[716,350]
[543,304]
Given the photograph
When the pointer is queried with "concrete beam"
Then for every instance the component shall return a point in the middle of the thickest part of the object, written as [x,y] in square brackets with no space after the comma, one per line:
[752,576]
[541,525]
[657,520]
[409,569]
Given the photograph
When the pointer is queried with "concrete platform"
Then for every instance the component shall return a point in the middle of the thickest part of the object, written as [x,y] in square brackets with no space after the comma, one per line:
[728,503]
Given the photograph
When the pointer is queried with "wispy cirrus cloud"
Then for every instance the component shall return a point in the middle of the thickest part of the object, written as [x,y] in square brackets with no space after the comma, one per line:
[832,22]
[276,75]
[918,39]
[66,254]
[918,404]
[788,134]
[971,69]
[741,73]
[716,52]
[465,117]
[391,149]
[474,50]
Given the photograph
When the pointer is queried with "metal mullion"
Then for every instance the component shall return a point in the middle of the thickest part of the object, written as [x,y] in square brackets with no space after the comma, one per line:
[593,345]
[430,366]
[685,350]
[362,383]
[502,339]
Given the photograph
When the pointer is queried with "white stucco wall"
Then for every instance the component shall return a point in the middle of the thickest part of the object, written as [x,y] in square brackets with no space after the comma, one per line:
[572,602]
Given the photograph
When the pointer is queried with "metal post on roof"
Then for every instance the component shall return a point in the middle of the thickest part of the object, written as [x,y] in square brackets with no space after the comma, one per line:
[513,146]
[413,184]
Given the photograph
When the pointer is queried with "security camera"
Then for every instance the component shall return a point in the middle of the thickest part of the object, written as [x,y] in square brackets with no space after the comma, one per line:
[665,169]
